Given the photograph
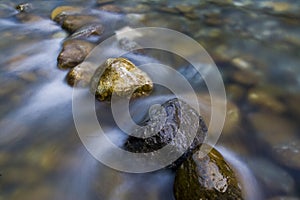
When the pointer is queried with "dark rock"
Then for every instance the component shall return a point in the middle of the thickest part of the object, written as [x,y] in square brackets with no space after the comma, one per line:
[179,118]
[208,177]
[73,53]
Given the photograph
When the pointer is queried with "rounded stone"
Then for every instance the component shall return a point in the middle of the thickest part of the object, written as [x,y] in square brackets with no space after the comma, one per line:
[73,53]
[80,76]
[72,23]
[208,177]
[265,100]
[65,9]
[235,92]
[121,77]
[288,153]
[272,129]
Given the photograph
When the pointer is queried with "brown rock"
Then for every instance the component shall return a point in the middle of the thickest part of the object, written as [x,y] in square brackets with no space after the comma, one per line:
[72,23]
[80,76]
[73,53]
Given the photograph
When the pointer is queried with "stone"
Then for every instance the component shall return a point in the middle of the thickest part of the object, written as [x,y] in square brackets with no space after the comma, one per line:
[184,8]
[121,77]
[73,53]
[173,117]
[63,10]
[272,129]
[89,32]
[24,7]
[235,92]
[288,153]
[247,78]
[264,100]
[232,120]
[80,76]
[208,177]
[72,23]
[111,8]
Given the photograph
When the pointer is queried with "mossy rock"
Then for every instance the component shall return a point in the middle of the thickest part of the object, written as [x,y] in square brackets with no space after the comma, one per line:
[208,177]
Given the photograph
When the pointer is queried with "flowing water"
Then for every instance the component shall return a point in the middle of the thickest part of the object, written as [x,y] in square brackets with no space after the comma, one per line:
[255,45]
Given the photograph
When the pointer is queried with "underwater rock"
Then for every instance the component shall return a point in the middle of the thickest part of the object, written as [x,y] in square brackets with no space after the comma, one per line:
[288,153]
[271,129]
[72,23]
[89,32]
[80,76]
[235,92]
[208,178]
[172,118]
[111,8]
[121,77]
[265,100]
[73,53]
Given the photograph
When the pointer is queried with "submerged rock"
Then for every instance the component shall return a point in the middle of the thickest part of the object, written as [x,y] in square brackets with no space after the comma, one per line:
[172,118]
[208,178]
[73,53]
[121,77]
[80,76]
[89,32]
[72,23]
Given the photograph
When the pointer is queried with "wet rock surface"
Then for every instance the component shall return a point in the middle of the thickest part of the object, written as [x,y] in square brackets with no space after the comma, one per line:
[73,53]
[208,177]
[81,75]
[173,119]
[121,77]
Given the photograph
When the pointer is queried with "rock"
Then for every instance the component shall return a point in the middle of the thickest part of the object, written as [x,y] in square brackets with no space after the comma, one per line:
[121,77]
[264,100]
[24,7]
[90,32]
[171,10]
[72,23]
[73,53]
[235,92]
[208,178]
[64,10]
[184,8]
[139,8]
[111,8]
[232,120]
[247,78]
[272,129]
[288,153]
[172,118]
[80,76]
